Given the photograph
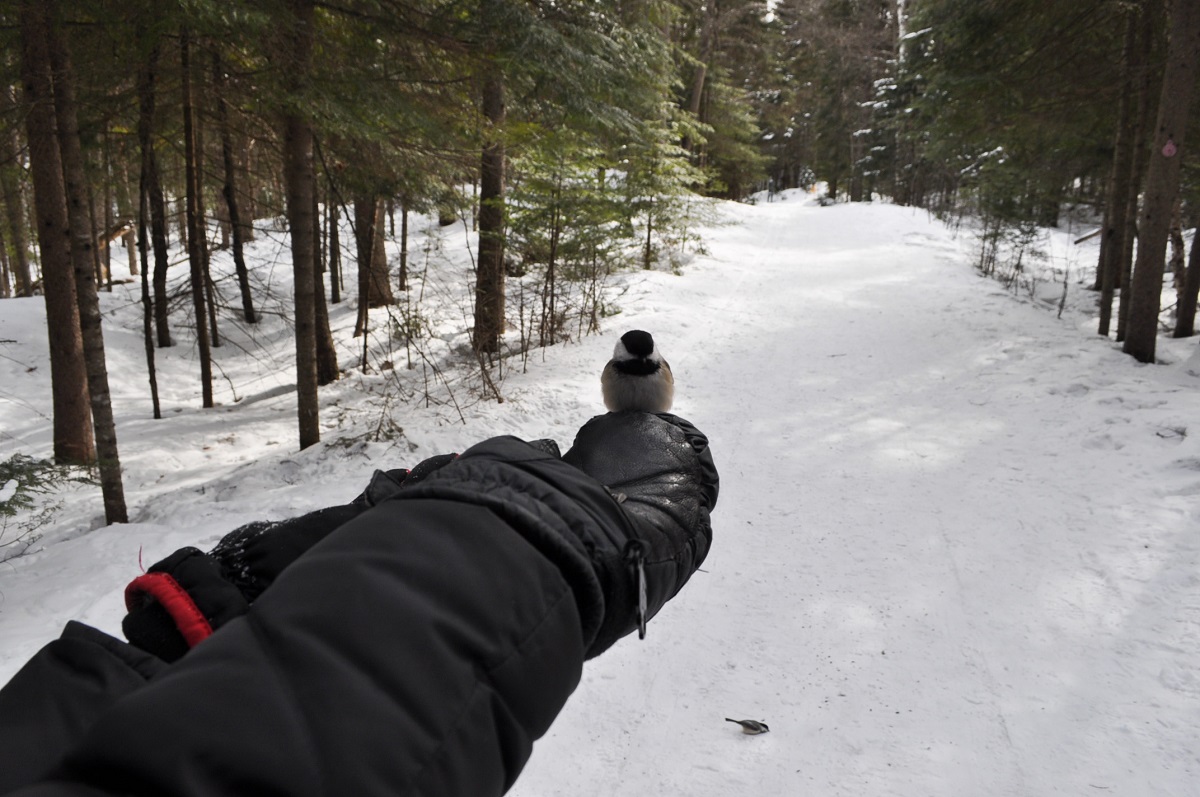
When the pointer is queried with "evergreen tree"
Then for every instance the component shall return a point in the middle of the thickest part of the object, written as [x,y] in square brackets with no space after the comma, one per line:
[1163,178]
[300,180]
[836,51]
[1016,98]
[74,441]
[723,46]
[82,247]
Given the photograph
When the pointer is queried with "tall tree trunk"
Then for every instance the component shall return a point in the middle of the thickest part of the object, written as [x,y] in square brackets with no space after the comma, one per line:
[73,435]
[1162,180]
[300,178]
[696,93]
[380,286]
[145,121]
[704,57]
[129,240]
[327,364]
[1177,262]
[210,287]
[364,240]
[402,283]
[198,216]
[489,282]
[83,257]
[195,234]
[148,226]
[1112,244]
[1185,317]
[5,284]
[250,209]
[181,220]
[856,181]
[335,250]
[110,221]
[14,205]
[648,249]
[100,269]
[152,189]
[126,211]
[1150,36]
[548,331]
[229,190]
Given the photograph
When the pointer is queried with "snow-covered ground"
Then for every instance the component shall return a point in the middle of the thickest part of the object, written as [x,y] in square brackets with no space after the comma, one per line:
[957,550]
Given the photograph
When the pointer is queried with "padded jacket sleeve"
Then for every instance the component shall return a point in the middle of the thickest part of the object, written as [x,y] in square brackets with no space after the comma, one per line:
[418,649]
[48,705]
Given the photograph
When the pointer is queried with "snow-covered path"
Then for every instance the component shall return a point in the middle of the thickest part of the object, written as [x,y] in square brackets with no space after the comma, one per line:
[952,555]
[955,553]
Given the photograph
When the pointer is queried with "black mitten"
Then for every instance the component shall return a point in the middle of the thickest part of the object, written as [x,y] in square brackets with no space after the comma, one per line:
[659,468]
[178,603]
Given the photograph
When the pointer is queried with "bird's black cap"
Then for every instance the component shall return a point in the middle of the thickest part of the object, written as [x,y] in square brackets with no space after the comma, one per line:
[638,343]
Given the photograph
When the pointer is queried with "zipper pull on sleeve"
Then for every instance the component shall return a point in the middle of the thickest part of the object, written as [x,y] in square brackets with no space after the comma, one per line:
[635,556]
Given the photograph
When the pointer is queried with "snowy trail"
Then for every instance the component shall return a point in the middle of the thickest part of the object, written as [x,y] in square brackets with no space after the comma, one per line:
[955,551]
[911,612]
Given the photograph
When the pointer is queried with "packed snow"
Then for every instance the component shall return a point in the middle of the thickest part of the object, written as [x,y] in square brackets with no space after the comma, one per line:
[956,550]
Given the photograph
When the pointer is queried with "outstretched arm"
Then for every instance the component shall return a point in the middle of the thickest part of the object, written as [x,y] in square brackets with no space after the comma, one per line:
[421,647]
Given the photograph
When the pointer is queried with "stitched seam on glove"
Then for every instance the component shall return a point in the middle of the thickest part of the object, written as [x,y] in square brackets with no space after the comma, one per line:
[190,621]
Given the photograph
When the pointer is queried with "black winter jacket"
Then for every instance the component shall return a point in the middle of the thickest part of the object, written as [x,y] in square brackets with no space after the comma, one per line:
[418,647]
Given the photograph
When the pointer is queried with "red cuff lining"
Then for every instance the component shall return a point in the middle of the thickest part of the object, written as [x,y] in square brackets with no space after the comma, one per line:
[188,618]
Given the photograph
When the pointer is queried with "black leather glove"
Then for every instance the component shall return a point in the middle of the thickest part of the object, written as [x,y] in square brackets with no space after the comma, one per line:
[658,466]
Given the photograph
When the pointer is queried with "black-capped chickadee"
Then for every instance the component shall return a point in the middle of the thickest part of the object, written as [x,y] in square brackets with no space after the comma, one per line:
[751,727]
[637,378]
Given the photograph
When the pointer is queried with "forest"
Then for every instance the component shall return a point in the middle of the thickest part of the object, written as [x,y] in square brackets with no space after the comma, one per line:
[573,135]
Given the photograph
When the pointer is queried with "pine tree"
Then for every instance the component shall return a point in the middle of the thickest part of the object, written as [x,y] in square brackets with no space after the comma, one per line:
[14,202]
[73,435]
[300,178]
[197,241]
[489,280]
[82,246]
[1162,179]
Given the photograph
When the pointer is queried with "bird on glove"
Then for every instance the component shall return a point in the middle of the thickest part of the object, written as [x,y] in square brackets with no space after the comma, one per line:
[637,378]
